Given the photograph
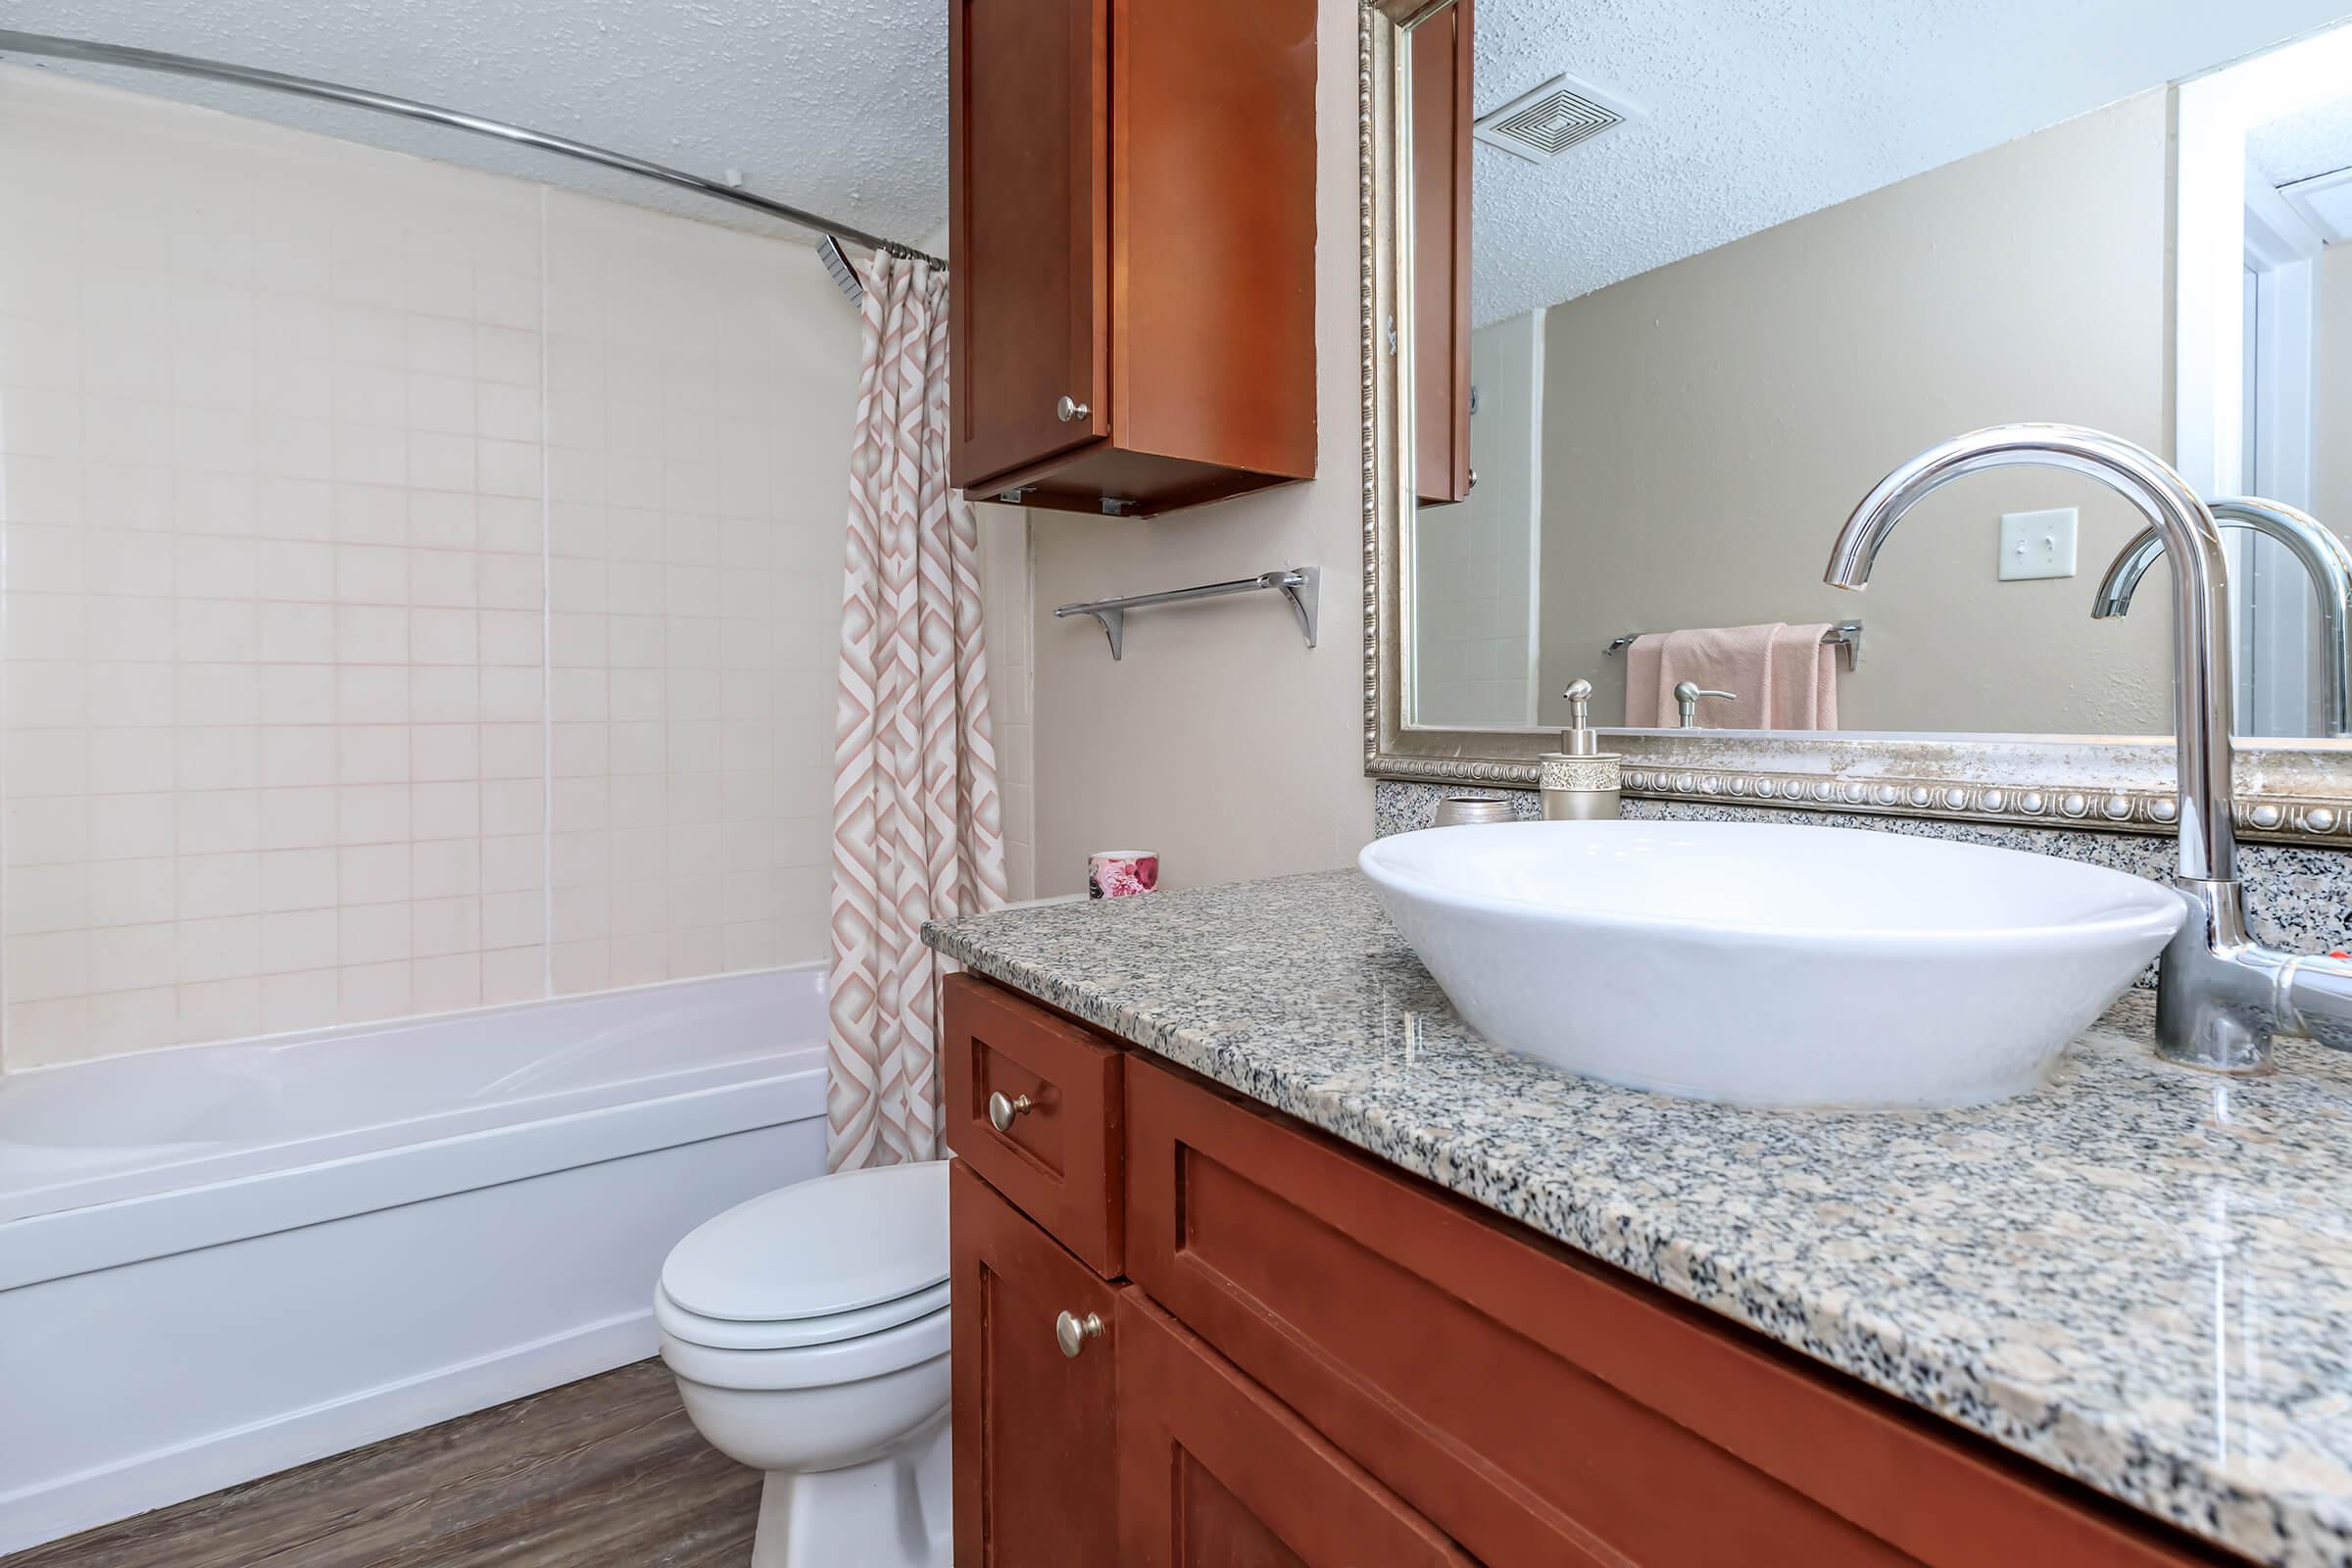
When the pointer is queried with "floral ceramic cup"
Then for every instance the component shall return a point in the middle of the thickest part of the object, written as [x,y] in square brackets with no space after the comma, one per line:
[1121,873]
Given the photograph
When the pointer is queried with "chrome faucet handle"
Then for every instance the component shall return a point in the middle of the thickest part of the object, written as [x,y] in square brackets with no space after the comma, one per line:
[1686,694]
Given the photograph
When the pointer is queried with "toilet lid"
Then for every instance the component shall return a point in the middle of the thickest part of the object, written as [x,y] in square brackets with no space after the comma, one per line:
[817,1249]
[792,1333]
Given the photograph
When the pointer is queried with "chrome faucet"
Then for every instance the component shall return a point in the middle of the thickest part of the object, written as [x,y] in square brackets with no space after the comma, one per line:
[2219,995]
[2325,561]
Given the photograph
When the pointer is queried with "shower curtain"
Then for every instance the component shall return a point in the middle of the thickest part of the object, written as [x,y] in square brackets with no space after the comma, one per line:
[918,831]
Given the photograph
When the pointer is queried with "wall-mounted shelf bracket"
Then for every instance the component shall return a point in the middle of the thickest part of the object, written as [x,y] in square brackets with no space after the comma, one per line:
[1298,584]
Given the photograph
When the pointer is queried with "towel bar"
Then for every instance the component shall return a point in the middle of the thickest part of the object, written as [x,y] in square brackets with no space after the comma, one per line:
[1298,584]
[1846,634]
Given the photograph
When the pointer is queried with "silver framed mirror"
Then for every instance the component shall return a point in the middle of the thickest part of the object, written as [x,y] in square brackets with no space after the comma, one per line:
[2292,788]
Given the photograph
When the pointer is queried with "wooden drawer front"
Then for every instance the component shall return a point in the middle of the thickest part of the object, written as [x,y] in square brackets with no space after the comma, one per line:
[1035,1481]
[1541,1408]
[1059,1162]
[1215,1474]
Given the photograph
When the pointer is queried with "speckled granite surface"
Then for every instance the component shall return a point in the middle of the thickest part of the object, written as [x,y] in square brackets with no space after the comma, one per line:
[2298,897]
[2140,1276]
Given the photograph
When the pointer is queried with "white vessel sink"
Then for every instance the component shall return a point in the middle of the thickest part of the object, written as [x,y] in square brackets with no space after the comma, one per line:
[1767,965]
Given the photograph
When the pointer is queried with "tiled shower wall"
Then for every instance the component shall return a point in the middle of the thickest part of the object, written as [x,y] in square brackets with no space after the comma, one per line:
[421,587]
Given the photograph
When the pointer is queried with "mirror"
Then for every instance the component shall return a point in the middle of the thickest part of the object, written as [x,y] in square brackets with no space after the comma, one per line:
[1728,268]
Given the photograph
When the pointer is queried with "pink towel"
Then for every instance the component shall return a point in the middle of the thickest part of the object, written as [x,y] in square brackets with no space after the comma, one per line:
[1781,677]
[1804,679]
[1642,689]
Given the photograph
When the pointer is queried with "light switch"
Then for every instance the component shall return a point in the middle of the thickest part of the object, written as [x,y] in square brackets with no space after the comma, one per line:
[2037,544]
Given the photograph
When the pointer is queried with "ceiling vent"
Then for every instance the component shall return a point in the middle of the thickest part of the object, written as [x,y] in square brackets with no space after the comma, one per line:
[1540,124]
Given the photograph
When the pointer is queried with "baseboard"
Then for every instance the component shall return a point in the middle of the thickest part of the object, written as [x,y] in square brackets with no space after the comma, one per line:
[78,1503]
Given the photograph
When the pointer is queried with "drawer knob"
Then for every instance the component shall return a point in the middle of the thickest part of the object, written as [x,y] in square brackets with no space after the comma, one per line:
[1071,1331]
[1069,409]
[1000,1113]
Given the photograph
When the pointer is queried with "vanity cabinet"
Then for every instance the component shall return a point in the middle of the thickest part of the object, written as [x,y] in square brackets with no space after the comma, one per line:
[1132,235]
[1215,1472]
[1314,1357]
[1033,1104]
[1034,1439]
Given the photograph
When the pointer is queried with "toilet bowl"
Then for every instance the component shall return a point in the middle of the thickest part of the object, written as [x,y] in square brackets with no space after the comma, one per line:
[808,1329]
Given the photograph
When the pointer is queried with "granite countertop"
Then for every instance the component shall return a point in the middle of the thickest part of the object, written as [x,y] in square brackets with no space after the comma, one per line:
[2141,1274]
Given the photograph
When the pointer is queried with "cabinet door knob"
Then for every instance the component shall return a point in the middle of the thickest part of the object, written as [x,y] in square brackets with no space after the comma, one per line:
[1001,1110]
[1071,1331]
[1069,409]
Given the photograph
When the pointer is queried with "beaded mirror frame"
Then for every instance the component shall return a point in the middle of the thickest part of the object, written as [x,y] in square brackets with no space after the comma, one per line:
[2288,791]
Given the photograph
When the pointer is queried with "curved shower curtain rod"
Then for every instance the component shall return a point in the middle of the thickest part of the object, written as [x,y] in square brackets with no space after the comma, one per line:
[13,43]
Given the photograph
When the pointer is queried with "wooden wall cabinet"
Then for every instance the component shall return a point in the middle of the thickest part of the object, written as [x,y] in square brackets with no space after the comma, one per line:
[1316,1359]
[1131,237]
[1442,110]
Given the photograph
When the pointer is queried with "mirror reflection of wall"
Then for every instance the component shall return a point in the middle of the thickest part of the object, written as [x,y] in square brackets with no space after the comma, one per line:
[2296,358]
[1798,290]
[1476,562]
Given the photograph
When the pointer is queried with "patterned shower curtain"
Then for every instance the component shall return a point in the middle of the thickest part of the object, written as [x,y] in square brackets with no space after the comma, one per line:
[917,830]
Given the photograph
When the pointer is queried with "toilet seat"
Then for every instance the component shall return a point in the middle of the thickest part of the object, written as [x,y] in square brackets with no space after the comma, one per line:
[819,1248]
[821,1282]
[813,1366]
[787,1334]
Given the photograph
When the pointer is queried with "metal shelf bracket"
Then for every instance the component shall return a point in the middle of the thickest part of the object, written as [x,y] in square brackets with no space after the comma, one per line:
[1298,584]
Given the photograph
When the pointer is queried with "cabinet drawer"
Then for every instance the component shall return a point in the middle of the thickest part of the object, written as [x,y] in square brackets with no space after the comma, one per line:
[1036,1481]
[1214,1473]
[1543,1409]
[1058,1157]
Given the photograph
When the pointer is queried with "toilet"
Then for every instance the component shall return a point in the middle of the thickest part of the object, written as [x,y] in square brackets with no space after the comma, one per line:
[808,1329]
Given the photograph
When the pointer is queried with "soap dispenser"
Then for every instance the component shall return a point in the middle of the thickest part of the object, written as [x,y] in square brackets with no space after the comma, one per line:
[1580,780]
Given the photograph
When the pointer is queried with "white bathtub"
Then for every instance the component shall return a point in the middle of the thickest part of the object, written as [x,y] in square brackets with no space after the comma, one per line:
[217,1261]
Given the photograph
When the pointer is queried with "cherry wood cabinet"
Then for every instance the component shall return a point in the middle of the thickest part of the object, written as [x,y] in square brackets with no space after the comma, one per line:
[1540,1406]
[1055,1088]
[1216,1473]
[1033,1428]
[1029,280]
[1132,235]
[1313,1357]
[1440,304]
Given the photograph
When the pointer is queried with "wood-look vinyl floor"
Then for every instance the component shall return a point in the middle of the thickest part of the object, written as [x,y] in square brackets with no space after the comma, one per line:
[604,1472]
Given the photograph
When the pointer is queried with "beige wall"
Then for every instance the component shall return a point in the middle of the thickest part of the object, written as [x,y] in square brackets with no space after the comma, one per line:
[1004,621]
[1474,561]
[2331,389]
[1709,424]
[1221,740]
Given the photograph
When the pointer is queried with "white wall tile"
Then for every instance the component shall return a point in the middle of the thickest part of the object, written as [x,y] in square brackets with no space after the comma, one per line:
[287,695]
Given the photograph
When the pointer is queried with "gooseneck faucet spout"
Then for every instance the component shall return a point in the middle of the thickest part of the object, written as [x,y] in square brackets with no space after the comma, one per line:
[2219,995]
[2200,603]
[2325,560]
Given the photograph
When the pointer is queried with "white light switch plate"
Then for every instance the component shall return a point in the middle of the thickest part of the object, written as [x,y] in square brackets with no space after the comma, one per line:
[2037,544]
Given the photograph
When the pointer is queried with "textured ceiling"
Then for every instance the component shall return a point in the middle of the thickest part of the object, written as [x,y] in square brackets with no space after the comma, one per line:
[2317,141]
[837,105]
[1760,111]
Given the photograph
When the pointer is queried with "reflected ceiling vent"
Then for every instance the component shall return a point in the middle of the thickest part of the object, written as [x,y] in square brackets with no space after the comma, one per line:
[1542,124]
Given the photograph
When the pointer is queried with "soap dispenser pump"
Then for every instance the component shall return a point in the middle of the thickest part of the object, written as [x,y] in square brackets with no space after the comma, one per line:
[1580,780]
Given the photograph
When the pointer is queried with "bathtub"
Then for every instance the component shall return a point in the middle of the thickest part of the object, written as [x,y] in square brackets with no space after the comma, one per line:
[217,1261]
